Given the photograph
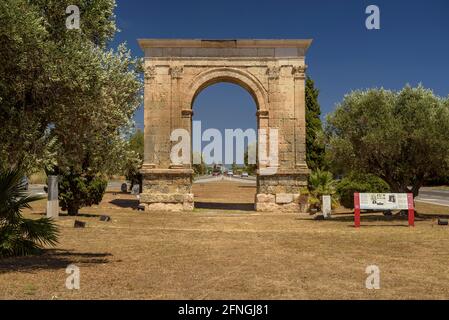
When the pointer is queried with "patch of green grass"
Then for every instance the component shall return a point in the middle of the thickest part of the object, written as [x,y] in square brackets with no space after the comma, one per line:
[30,289]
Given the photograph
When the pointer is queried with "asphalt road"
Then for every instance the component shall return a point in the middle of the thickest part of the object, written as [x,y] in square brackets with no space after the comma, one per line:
[426,194]
[429,195]
[38,189]
[205,179]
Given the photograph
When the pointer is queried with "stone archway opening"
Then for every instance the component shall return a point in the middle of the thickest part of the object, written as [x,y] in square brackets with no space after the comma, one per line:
[225,110]
[273,71]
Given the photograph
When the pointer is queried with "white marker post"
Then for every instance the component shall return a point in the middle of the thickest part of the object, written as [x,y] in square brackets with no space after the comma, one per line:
[326,207]
[52,202]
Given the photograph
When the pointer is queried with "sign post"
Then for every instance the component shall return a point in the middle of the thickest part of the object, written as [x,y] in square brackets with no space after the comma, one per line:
[52,202]
[411,210]
[357,210]
[384,201]
[326,206]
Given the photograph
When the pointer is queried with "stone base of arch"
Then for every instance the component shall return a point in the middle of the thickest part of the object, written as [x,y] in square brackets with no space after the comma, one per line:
[167,190]
[171,190]
[281,192]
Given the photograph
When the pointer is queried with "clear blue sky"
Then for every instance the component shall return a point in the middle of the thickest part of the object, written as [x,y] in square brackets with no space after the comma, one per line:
[412,45]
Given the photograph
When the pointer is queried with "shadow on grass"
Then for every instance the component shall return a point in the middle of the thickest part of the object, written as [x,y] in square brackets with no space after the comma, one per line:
[430,216]
[61,214]
[81,215]
[51,259]
[125,203]
[117,192]
[368,218]
[373,217]
[225,206]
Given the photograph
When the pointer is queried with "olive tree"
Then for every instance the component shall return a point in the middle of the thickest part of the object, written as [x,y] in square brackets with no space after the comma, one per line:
[66,99]
[401,137]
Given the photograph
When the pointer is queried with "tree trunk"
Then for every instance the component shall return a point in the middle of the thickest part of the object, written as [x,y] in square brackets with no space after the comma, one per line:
[73,209]
[415,189]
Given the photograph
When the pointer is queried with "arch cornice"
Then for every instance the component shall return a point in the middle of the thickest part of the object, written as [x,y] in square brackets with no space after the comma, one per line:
[233,75]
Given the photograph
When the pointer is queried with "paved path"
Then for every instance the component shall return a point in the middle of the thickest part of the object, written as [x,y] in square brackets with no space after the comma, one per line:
[434,196]
[206,179]
[426,194]
[37,189]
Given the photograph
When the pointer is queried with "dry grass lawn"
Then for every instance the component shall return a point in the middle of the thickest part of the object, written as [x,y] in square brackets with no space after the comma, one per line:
[232,254]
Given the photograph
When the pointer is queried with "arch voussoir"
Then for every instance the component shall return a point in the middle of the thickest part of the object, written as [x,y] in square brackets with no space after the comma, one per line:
[233,75]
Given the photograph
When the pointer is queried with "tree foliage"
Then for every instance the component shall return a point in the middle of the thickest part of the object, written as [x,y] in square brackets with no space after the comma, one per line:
[62,92]
[359,182]
[80,190]
[136,143]
[251,169]
[92,127]
[67,100]
[401,137]
[199,168]
[135,158]
[26,87]
[315,147]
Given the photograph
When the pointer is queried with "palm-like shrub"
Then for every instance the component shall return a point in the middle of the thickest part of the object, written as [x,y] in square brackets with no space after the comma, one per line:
[20,236]
[321,183]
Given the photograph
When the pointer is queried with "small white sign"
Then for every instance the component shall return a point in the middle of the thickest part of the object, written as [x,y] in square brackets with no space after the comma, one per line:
[326,206]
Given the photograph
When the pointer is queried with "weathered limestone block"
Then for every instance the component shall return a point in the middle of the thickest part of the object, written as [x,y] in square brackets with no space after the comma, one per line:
[265,198]
[282,190]
[166,198]
[167,190]
[174,207]
[273,207]
[283,198]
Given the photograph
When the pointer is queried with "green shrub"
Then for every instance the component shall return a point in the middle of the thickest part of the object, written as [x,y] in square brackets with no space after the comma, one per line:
[359,183]
[20,236]
[438,181]
[77,191]
[321,183]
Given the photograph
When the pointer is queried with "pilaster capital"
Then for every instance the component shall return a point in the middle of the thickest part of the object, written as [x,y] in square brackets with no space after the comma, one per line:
[176,72]
[150,73]
[299,72]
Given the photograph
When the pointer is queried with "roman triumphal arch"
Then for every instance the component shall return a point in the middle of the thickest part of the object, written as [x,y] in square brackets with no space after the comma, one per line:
[272,71]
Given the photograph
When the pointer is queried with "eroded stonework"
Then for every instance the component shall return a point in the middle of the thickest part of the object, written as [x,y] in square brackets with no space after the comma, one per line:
[176,71]
[171,191]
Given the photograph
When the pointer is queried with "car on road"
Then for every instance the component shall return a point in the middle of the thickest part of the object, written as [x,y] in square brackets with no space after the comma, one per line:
[230,173]
[244,175]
